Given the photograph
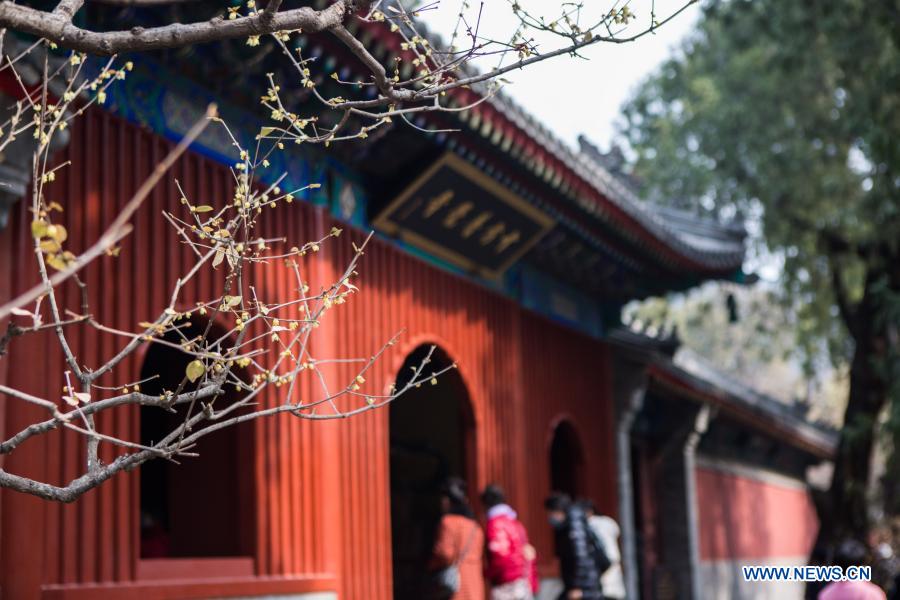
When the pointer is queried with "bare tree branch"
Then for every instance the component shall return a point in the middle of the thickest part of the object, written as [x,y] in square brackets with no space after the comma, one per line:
[58,28]
[142,2]
[68,8]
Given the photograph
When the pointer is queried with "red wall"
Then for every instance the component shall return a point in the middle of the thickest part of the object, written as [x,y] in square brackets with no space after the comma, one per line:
[322,488]
[747,518]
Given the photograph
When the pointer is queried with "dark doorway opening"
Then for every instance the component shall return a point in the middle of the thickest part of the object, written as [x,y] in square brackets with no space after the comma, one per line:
[566,461]
[432,437]
[202,507]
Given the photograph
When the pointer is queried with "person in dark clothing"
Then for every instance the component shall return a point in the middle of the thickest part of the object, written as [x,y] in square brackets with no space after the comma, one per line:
[575,548]
[818,557]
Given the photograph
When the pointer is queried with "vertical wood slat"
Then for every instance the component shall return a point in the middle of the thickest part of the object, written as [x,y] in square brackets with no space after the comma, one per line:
[124,317]
[87,546]
[106,302]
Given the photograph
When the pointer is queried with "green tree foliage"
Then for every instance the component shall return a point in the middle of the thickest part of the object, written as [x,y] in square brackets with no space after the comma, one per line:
[789,113]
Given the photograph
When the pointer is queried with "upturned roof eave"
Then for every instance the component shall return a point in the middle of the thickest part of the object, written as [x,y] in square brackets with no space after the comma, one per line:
[616,195]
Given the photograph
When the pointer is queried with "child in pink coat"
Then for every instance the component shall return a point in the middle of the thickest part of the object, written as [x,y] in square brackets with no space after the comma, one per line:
[510,567]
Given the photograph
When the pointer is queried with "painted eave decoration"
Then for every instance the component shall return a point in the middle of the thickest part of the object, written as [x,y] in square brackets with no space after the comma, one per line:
[456,212]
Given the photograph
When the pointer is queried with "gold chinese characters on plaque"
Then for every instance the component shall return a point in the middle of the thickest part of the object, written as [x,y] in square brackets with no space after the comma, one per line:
[456,213]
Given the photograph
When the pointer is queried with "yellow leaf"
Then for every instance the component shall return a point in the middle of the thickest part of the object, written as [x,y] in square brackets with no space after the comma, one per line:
[57,232]
[50,246]
[194,370]
[203,208]
[57,261]
[232,300]
[38,228]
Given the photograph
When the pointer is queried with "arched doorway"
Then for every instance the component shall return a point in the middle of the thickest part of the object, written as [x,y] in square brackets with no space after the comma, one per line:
[203,506]
[566,461]
[432,437]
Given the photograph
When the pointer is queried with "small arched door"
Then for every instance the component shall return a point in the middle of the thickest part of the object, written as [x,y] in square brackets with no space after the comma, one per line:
[203,506]
[432,437]
[566,461]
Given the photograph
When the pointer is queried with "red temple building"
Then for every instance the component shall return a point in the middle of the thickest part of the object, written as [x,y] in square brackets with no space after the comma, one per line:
[551,392]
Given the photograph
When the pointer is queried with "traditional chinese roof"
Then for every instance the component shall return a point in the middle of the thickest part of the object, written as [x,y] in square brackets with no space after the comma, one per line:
[689,376]
[724,240]
[696,243]
[705,243]
[604,219]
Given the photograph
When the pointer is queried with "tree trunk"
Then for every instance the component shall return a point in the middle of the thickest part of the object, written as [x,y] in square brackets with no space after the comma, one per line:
[847,498]
[845,512]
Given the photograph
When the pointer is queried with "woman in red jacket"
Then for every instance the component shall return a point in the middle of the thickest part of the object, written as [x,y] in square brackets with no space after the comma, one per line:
[510,558]
[458,547]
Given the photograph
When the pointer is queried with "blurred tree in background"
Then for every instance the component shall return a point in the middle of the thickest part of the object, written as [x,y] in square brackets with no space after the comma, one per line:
[789,114]
[746,332]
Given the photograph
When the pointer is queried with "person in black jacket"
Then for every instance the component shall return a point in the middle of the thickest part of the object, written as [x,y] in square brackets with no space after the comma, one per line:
[575,548]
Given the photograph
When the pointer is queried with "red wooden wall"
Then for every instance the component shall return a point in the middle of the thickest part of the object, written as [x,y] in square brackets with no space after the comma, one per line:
[746,518]
[322,489]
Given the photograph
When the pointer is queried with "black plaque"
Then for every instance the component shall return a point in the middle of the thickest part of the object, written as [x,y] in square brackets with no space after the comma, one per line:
[457,213]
